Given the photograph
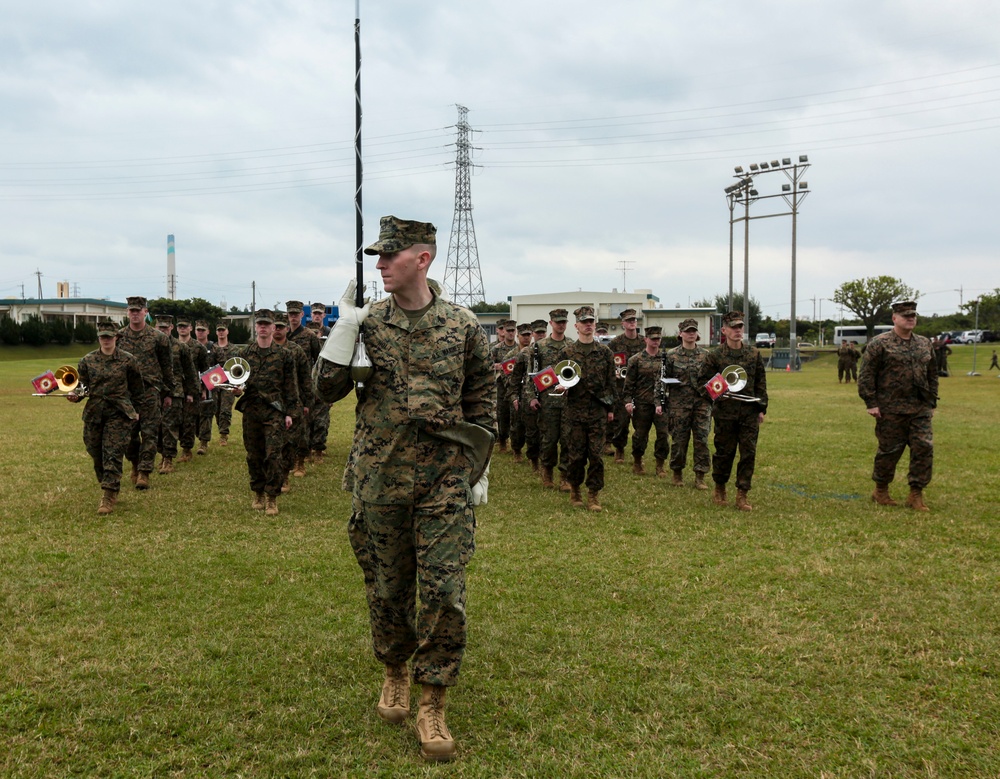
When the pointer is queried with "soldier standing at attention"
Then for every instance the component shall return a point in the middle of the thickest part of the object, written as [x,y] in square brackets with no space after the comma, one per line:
[221,352]
[113,380]
[506,329]
[646,402]
[303,377]
[269,401]
[184,388]
[523,392]
[588,410]
[206,409]
[317,312]
[310,344]
[627,344]
[844,362]
[549,352]
[189,414]
[737,422]
[518,428]
[690,410]
[319,412]
[151,349]
[425,420]
[899,385]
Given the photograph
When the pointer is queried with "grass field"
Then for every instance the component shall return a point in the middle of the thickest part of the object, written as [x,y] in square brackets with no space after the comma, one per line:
[820,636]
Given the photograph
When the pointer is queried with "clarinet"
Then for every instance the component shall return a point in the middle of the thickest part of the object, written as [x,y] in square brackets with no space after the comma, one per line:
[536,366]
[659,392]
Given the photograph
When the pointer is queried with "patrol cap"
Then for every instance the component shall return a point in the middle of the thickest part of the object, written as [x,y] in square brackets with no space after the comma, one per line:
[263,316]
[602,328]
[317,306]
[281,318]
[136,302]
[396,234]
[510,324]
[164,319]
[732,319]
[539,326]
[294,306]
[688,324]
[654,331]
[558,315]
[222,326]
[904,307]
[524,327]
[628,313]
[201,324]
[585,314]
[106,327]
[183,320]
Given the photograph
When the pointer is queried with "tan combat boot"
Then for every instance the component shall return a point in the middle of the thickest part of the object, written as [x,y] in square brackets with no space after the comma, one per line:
[167,465]
[394,705]
[915,500]
[436,742]
[882,497]
[518,457]
[142,480]
[574,496]
[501,446]
[592,502]
[699,481]
[300,465]
[741,501]
[637,468]
[271,505]
[534,464]
[134,475]
[185,456]
[285,485]
[202,447]
[678,479]
[318,455]
[547,482]
[719,496]
[619,456]
[223,440]
[660,470]
[107,504]
[564,485]
[258,501]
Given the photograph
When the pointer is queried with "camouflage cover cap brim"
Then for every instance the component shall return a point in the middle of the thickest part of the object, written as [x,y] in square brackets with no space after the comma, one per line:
[688,324]
[294,306]
[523,328]
[559,315]
[164,319]
[585,314]
[904,307]
[732,319]
[654,332]
[397,234]
[628,313]
[136,302]
[106,328]
[263,316]
[181,322]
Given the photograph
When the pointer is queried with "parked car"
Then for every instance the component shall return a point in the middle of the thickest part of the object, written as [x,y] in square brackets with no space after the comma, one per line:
[970,337]
[765,340]
[990,337]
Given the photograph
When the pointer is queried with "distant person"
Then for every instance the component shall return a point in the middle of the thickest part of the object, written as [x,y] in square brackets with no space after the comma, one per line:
[899,385]
[847,362]
[941,351]
[993,362]
[624,345]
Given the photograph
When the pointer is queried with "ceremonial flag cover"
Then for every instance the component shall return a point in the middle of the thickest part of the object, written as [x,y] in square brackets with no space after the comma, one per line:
[45,383]
[213,376]
[545,379]
[716,386]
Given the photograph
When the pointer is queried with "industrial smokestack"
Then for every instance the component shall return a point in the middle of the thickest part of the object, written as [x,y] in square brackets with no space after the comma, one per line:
[171,270]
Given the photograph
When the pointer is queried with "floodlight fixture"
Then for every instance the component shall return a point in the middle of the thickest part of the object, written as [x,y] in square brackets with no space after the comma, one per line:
[763,166]
[803,158]
[754,193]
[774,163]
[786,187]
[803,185]
[739,170]
[754,166]
[786,161]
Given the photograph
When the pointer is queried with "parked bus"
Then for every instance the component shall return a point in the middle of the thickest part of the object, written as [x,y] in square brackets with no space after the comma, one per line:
[856,333]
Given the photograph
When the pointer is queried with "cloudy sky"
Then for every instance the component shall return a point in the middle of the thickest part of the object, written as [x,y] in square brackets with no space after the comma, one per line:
[605,136]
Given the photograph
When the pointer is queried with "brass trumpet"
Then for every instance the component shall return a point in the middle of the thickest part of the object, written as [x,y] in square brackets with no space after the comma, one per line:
[65,378]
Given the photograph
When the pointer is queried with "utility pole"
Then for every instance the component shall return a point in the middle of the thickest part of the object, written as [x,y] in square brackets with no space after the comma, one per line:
[624,266]
[463,277]
[39,274]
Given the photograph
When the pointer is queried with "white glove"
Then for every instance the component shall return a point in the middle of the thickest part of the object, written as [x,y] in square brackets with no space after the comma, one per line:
[339,346]
[480,488]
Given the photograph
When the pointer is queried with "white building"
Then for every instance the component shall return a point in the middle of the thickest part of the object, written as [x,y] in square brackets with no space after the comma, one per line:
[73,310]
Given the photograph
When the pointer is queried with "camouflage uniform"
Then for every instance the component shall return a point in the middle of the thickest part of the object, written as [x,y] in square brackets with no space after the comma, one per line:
[522,389]
[498,352]
[585,414]
[298,431]
[223,400]
[269,395]
[519,418]
[151,349]
[113,382]
[644,390]
[550,414]
[941,352]
[186,382]
[900,378]
[690,410]
[197,419]
[736,422]
[412,527]
[312,434]
[847,362]
[618,430]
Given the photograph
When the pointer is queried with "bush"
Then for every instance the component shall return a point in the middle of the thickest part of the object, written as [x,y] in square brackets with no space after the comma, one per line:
[85,333]
[59,331]
[10,332]
[34,332]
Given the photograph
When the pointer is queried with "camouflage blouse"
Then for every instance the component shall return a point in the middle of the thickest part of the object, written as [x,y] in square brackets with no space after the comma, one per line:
[113,382]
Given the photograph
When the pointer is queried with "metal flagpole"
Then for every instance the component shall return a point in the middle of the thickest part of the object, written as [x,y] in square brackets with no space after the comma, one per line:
[361,367]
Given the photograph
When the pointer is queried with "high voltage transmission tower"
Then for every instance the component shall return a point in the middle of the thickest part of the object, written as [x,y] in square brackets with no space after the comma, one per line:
[463,279]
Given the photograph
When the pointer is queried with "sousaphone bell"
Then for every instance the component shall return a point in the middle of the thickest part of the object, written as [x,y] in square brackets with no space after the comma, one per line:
[237,371]
[567,373]
[736,379]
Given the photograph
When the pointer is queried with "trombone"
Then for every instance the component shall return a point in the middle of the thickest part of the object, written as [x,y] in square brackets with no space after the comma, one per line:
[736,379]
[65,378]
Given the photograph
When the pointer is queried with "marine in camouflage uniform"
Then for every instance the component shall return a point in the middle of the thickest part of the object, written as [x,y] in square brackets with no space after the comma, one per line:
[513,399]
[269,401]
[112,379]
[191,412]
[737,423]
[206,409]
[498,351]
[847,362]
[151,349]
[588,410]
[308,341]
[522,391]
[690,410]
[646,402]
[221,352]
[319,429]
[303,375]
[628,344]
[413,522]
[548,352]
[899,385]
[185,386]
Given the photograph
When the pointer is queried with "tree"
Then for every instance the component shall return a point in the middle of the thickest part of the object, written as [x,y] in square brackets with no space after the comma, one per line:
[10,331]
[33,331]
[871,299]
[195,308]
[482,307]
[85,333]
[989,310]
[59,331]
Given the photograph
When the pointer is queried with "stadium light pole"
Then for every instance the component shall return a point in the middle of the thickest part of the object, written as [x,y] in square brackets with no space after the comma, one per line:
[741,191]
